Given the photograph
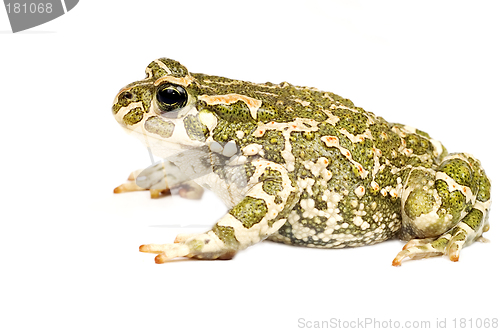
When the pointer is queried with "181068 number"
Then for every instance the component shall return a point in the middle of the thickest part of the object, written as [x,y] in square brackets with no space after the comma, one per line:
[29,8]
[476,323]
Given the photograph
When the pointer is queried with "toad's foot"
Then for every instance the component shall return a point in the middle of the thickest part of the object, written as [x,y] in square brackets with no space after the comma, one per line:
[449,244]
[165,252]
[416,250]
[189,190]
[200,246]
[131,186]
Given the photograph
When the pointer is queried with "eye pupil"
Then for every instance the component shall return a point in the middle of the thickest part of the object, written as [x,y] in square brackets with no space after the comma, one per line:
[171,98]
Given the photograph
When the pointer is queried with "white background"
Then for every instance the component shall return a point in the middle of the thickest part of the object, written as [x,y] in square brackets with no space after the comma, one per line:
[69,247]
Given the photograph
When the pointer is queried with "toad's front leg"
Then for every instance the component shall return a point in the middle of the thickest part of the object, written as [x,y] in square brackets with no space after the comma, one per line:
[261,213]
[159,178]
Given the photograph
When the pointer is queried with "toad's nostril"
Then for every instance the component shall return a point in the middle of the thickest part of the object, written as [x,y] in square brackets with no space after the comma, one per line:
[127,95]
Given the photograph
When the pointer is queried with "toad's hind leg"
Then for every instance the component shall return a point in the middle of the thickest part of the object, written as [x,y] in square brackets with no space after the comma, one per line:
[444,210]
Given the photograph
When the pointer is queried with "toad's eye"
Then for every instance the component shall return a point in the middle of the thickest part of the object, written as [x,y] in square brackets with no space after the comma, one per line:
[171,97]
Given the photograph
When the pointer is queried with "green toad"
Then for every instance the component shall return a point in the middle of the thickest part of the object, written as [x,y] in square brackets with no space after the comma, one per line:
[300,166]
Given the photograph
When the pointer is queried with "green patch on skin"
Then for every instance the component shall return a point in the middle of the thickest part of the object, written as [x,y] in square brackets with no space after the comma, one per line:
[272,183]
[226,131]
[318,192]
[418,144]
[484,188]
[116,107]
[385,178]
[362,152]
[386,140]
[419,202]
[480,181]
[249,171]
[157,70]
[249,211]
[273,188]
[234,112]
[354,122]
[318,223]
[286,110]
[458,170]
[226,234]
[305,149]
[228,122]
[473,219]
[339,100]
[452,202]
[278,200]
[342,176]
[159,126]
[195,129]
[134,116]
[309,135]
[347,211]
[267,113]
[273,143]
[124,99]
[176,69]
[141,93]
[439,244]
[458,234]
